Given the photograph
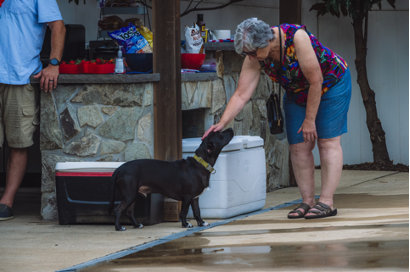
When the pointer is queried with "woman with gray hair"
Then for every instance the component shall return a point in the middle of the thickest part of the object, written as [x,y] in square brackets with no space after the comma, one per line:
[318,90]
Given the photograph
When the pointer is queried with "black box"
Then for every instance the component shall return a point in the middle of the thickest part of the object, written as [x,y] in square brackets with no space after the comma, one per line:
[84,192]
[74,44]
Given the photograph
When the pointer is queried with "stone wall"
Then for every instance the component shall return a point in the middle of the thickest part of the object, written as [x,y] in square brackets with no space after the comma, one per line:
[93,122]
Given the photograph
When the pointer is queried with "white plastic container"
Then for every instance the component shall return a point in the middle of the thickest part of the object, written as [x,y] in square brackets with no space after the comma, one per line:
[239,184]
[119,63]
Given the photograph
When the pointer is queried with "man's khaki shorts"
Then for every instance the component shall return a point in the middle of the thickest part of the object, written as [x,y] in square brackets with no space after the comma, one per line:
[18,115]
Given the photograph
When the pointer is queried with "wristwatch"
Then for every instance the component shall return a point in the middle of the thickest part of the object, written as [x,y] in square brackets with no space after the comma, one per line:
[54,62]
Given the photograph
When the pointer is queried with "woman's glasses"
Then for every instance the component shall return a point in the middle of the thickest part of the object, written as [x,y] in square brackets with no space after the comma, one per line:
[253,53]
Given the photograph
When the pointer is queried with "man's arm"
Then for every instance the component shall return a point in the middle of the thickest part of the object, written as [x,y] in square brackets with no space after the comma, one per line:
[49,75]
[57,39]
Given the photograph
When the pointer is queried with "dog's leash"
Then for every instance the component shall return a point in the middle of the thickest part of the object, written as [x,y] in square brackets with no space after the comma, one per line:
[204,164]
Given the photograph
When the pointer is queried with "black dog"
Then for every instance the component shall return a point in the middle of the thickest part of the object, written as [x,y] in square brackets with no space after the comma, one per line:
[181,180]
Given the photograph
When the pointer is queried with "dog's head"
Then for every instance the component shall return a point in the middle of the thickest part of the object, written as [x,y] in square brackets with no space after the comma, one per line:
[212,145]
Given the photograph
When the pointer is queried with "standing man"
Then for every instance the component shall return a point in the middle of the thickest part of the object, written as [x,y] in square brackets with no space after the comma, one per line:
[22,28]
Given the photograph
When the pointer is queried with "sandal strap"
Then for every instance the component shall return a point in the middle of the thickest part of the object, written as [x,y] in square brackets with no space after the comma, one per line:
[320,208]
[305,207]
[323,206]
[299,212]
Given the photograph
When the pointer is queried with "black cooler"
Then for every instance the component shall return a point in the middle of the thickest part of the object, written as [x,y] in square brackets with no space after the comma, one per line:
[84,192]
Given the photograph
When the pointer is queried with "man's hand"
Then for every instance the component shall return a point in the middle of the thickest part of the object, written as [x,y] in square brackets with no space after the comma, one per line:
[48,78]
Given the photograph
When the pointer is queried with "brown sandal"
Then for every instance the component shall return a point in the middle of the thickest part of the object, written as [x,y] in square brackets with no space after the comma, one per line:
[321,210]
[305,207]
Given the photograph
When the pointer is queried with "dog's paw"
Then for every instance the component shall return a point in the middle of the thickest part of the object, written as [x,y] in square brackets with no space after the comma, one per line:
[203,224]
[121,228]
[187,225]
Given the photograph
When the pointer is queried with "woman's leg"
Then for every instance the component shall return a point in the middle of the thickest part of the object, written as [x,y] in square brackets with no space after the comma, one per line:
[303,168]
[331,160]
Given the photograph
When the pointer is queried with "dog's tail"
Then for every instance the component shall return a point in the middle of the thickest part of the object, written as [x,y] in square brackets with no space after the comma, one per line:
[114,186]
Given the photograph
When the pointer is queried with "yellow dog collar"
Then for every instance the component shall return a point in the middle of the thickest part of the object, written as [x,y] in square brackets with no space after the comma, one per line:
[204,164]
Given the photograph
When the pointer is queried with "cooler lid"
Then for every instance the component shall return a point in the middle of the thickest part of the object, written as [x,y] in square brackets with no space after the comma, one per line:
[189,145]
[87,166]
[250,141]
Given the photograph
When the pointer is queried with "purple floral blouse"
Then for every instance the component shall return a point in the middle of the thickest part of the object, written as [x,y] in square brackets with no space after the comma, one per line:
[291,77]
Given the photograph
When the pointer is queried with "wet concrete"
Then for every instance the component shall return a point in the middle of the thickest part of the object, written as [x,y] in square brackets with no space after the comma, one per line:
[362,240]
[370,233]
[349,256]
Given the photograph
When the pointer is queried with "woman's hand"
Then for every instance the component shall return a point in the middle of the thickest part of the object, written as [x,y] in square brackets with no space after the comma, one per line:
[309,131]
[216,127]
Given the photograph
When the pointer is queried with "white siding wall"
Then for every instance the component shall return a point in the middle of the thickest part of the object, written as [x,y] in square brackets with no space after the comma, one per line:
[87,15]
[388,72]
[231,16]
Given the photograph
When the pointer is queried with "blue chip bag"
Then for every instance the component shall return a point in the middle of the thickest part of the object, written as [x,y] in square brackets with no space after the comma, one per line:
[131,40]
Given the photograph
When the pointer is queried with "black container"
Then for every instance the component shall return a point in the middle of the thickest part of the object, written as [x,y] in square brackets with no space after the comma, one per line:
[105,49]
[74,44]
[139,62]
[84,197]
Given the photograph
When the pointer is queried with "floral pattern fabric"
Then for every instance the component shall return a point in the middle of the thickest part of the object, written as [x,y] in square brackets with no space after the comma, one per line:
[290,75]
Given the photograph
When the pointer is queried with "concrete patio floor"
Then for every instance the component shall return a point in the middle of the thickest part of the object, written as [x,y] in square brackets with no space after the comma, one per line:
[371,227]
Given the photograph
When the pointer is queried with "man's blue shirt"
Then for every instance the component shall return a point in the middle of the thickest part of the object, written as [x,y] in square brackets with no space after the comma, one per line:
[22,30]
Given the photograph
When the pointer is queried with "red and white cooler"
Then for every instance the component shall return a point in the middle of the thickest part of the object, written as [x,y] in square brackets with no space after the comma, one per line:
[85,190]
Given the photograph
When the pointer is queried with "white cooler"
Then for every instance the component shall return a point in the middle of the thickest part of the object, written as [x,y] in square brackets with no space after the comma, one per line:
[239,184]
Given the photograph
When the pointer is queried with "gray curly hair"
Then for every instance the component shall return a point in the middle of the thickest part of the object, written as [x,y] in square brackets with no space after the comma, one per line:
[252,34]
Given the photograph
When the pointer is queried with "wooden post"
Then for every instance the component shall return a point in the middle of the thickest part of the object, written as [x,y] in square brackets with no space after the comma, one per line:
[290,11]
[167,92]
